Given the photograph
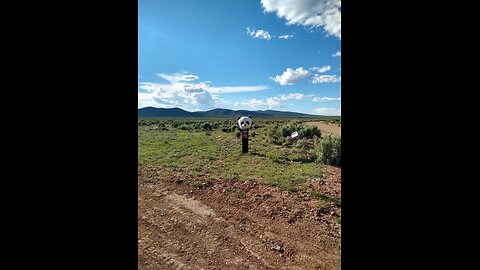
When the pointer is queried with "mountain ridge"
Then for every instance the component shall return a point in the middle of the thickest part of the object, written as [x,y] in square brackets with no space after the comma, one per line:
[220,113]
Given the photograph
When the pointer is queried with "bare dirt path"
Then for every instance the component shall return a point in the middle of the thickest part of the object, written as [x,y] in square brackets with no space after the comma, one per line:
[333,129]
[235,225]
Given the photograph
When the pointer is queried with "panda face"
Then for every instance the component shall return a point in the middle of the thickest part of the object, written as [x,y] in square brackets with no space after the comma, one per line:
[245,122]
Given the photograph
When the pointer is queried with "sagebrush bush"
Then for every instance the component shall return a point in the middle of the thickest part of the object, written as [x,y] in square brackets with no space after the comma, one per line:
[309,132]
[328,150]
[207,126]
[238,133]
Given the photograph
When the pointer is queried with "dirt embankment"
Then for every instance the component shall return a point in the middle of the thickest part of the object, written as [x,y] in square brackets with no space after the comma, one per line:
[333,129]
[197,224]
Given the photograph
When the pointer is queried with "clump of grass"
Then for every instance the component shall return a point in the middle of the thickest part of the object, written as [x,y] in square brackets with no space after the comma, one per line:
[324,197]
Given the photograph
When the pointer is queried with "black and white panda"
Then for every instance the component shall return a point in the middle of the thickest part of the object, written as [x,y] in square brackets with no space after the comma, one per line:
[245,122]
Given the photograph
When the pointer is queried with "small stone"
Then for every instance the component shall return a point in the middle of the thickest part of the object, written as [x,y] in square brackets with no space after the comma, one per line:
[279,248]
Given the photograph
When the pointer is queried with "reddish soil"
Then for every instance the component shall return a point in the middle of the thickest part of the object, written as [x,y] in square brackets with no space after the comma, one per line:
[227,224]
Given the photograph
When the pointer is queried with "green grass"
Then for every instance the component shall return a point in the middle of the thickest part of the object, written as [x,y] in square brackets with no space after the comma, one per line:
[219,156]
[338,219]
[324,197]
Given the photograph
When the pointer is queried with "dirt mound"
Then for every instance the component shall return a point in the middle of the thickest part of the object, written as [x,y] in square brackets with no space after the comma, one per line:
[228,224]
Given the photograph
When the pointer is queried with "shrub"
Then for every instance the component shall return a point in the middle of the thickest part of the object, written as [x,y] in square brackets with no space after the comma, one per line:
[238,133]
[253,133]
[185,127]
[301,143]
[207,126]
[328,150]
[309,132]
[312,155]
[162,126]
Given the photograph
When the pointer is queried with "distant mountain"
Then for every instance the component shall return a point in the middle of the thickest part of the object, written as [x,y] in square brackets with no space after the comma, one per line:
[160,112]
[218,113]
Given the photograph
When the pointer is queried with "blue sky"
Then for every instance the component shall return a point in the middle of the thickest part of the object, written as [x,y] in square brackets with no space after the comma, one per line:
[255,55]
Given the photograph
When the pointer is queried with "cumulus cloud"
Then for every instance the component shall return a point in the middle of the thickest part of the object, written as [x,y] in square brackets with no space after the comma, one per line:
[182,91]
[327,111]
[325,99]
[325,79]
[285,36]
[337,54]
[291,76]
[310,13]
[252,103]
[146,100]
[321,69]
[297,96]
[273,102]
[258,34]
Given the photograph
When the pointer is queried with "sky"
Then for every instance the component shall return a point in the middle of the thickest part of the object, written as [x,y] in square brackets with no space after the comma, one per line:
[242,55]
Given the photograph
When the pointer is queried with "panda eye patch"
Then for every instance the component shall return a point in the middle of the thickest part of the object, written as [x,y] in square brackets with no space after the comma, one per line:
[248,123]
[242,123]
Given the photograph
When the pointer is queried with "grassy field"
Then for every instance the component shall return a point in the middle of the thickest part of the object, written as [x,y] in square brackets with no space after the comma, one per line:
[211,149]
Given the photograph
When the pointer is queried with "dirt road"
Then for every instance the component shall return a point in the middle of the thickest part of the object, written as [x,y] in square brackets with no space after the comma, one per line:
[333,129]
[228,224]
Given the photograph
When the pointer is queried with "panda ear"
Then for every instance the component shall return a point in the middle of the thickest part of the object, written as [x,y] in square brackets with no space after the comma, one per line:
[238,118]
[250,116]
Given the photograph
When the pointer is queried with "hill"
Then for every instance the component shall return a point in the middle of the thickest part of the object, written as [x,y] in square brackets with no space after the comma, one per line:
[217,113]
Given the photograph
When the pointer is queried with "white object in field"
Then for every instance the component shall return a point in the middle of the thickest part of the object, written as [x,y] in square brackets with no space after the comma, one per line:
[294,134]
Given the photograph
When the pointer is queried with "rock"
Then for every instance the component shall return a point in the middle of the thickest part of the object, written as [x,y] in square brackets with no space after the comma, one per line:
[278,248]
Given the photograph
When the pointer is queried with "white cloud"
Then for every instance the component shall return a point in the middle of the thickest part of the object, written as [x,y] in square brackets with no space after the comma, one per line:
[179,93]
[325,79]
[178,77]
[337,54]
[327,111]
[325,99]
[182,92]
[251,104]
[285,36]
[146,100]
[273,102]
[236,89]
[311,13]
[291,76]
[258,34]
[321,69]
[297,96]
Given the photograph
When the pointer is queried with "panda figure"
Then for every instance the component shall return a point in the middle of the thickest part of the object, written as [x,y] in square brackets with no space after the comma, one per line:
[245,122]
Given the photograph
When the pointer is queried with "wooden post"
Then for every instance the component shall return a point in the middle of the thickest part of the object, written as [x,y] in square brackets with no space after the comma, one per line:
[245,141]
